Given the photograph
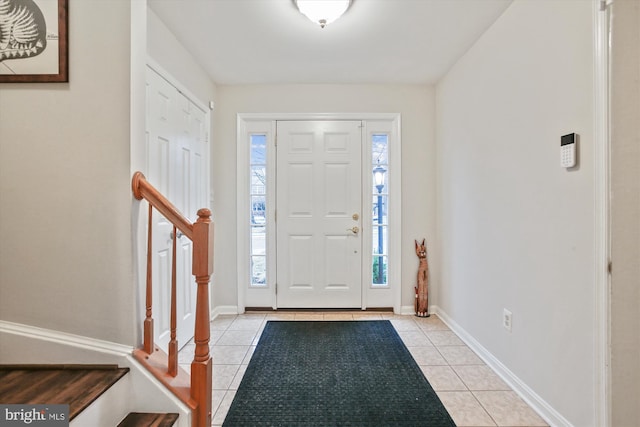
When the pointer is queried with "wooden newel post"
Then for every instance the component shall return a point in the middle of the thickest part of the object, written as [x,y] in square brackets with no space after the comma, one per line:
[201,367]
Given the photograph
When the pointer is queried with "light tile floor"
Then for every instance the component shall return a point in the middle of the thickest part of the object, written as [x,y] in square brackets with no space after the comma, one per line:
[472,393]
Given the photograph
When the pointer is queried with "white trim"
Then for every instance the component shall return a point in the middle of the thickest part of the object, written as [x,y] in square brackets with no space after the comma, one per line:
[271,214]
[546,411]
[184,420]
[366,274]
[151,63]
[602,236]
[317,116]
[267,293]
[223,310]
[407,310]
[111,407]
[138,149]
[242,209]
[64,338]
[395,195]
[395,206]
[375,296]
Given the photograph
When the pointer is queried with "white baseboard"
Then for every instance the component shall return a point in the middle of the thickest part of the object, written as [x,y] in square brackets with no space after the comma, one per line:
[407,309]
[224,310]
[111,408]
[410,309]
[13,335]
[546,411]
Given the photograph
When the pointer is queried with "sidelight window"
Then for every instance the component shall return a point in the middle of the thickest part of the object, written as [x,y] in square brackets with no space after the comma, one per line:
[379,206]
[258,214]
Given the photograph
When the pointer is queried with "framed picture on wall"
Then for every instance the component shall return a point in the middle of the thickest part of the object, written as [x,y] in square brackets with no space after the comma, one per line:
[33,41]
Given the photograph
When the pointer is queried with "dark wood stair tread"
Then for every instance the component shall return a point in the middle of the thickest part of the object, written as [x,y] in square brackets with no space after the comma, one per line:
[75,385]
[139,419]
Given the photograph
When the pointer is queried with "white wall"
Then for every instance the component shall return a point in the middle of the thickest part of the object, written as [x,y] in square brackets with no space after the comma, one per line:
[65,198]
[170,54]
[414,102]
[516,230]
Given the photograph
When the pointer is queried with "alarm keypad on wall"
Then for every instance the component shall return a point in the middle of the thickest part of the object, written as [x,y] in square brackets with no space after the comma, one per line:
[568,150]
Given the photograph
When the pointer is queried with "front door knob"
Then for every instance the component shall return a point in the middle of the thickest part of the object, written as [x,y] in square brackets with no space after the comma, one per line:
[355,229]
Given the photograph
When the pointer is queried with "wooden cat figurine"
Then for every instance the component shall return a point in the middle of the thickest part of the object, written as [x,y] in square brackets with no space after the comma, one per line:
[422,288]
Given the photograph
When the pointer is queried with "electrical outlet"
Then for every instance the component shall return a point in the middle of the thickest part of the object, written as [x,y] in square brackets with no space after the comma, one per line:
[507,319]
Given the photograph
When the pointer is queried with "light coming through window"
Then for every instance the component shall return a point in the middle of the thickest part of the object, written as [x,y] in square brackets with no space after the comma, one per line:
[380,171]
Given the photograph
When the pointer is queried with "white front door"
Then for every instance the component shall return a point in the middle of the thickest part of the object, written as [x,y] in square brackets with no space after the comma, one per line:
[319,192]
[177,142]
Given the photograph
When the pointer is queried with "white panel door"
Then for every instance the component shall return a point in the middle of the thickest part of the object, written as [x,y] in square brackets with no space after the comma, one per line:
[161,99]
[187,181]
[177,142]
[319,252]
[191,195]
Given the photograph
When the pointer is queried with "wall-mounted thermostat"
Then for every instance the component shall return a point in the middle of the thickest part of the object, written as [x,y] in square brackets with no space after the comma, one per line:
[568,144]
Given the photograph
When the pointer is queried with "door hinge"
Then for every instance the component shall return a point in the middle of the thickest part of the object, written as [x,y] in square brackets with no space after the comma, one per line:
[609,267]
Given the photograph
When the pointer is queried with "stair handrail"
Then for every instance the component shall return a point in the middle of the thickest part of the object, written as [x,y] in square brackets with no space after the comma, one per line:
[142,189]
[199,395]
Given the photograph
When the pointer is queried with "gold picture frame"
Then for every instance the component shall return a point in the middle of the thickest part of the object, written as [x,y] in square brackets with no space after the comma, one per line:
[38,50]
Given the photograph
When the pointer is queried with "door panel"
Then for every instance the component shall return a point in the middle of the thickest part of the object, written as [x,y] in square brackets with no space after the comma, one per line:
[300,194]
[318,192]
[176,148]
[160,98]
[183,195]
[301,262]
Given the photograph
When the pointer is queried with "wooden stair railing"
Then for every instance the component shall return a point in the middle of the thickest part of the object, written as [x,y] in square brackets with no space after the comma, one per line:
[196,391]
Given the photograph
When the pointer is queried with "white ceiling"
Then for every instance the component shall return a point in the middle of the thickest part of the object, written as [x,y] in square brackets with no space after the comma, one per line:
[376,41]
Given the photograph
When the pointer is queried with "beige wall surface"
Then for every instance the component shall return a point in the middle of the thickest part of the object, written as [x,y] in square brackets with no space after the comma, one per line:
[65,198]
[625,213]
[174,58]
[413,102]
[517,229]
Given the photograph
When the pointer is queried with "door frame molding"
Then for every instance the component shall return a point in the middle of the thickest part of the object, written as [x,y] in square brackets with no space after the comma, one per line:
[267,296]
[602,224]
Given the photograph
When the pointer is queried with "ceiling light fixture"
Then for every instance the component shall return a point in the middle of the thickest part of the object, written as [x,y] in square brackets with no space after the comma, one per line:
[323,12]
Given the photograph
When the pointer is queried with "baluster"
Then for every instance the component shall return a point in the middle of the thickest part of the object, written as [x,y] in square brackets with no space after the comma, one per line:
[148,321]
[201,233]
[173,344]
